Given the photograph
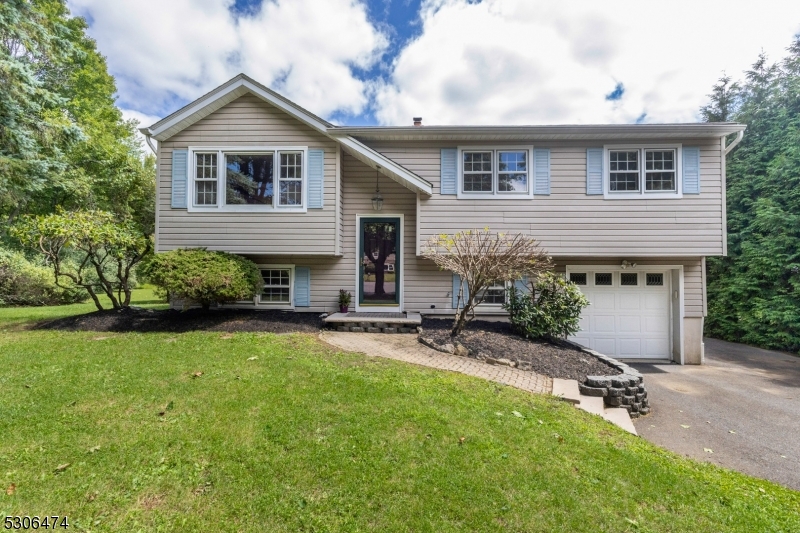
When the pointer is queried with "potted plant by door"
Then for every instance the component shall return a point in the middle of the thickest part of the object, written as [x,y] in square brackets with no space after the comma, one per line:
[344,300]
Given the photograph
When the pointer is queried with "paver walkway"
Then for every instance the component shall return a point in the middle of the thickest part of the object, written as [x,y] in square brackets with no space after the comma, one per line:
[406,348]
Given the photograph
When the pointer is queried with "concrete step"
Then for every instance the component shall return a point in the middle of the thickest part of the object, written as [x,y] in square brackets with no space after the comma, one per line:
[615,415]
[567,390]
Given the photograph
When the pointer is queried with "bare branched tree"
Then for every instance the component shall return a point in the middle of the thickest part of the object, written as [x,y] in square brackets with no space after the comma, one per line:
[482,259]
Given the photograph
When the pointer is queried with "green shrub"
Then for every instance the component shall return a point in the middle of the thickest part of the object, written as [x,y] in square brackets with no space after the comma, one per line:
[23,282]
[552,309]
[91,250]
[203,276]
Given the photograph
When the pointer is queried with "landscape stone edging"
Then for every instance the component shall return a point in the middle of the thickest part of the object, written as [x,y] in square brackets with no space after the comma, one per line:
[625,390]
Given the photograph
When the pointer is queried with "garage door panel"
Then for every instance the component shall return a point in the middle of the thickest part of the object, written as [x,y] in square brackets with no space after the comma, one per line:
[604,301]
[626,321]
[630,324]
[655,348]
[655,301]
[604,324]
[630,347]
[656,324]
[630,301]
[606,346]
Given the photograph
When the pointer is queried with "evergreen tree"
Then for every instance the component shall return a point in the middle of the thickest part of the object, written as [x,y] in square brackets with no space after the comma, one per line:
[754,292]
[63,141]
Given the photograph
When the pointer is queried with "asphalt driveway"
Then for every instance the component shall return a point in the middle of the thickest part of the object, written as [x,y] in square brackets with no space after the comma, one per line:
[743,405]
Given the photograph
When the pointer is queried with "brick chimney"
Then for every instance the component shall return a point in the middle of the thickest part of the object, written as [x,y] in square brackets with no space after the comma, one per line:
[418,121]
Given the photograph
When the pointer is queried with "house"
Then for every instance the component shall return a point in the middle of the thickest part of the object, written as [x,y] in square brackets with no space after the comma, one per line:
[628,212]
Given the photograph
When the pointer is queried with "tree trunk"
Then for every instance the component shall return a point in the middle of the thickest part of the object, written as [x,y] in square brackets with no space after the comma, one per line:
[94,298]
[379,276]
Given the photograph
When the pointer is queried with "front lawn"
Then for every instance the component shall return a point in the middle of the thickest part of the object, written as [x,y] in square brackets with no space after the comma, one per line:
[206,431]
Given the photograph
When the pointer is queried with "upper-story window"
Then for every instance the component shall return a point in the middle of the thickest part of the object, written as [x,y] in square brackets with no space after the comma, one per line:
[494,173]
[238,180]
[636,172]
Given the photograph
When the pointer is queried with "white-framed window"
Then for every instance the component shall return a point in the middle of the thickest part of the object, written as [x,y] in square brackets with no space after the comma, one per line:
[248,179]
[278,286]
[205,176]
[495,172]
[645,171]
[495,295]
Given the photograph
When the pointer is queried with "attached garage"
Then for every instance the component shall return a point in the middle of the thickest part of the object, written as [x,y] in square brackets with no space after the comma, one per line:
[631,313]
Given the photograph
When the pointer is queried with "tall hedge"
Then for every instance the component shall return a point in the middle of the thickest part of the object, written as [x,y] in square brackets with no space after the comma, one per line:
[203,276]
[754,292]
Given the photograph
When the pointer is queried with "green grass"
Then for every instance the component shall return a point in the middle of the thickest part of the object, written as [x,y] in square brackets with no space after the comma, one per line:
[305,438]
[14,316]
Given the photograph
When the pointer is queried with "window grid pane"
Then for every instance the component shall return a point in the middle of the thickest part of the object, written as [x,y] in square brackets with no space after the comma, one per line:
[655,279]
[249,179]
[494,295]
[205,193]
[659,170]
[629,279]
[624,170]
[276,285]
[291,179]
[602,279]
[477,171]
[578,278]
[513,172]
[205,179]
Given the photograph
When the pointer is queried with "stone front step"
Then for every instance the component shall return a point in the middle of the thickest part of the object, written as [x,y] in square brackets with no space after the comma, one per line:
[374,322]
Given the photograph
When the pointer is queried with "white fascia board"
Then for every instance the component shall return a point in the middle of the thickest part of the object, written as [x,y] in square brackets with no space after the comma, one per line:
[236,87]
[388,167]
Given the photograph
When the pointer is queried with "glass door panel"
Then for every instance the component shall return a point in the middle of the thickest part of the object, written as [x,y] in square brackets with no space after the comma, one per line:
[380,262]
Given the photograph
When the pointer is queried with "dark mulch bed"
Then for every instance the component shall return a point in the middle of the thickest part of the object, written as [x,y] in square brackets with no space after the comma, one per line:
[173,321]
[497,340]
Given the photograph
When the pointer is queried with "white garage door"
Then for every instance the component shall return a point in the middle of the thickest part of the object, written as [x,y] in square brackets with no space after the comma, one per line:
[629,313]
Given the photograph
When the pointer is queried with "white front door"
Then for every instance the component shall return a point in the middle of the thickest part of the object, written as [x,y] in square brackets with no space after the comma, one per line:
[629,315]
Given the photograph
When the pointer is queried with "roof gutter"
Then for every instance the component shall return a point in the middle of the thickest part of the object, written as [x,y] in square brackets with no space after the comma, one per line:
[147,134]
[737,140]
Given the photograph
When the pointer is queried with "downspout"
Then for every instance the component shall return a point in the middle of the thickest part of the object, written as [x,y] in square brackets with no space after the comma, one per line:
[737,140]
[146,133]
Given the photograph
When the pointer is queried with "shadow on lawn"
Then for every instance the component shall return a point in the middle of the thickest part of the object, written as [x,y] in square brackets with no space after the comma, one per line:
[170,320]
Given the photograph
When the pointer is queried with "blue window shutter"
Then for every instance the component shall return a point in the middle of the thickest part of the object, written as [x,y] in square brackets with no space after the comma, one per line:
[521,285]
[448,178]
[456,289]
[302,287]
[594,171]
[316,176]
[179,173]
[541,171]
[691,170]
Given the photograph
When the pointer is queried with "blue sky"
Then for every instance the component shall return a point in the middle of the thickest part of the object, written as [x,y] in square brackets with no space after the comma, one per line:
[449,61]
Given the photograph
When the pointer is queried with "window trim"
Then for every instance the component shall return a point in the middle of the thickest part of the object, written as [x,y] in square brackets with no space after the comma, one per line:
[507,286]
[221,207]
[495,194]
[642,193]
[276,305]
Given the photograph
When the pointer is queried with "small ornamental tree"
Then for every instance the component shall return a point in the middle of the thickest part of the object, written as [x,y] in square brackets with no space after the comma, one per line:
[551,308]
[203,276]
[483,258]
[90,250]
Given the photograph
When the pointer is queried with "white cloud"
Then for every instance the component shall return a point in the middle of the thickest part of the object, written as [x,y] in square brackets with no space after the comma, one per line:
[166,52]
[144,120]
[524,62]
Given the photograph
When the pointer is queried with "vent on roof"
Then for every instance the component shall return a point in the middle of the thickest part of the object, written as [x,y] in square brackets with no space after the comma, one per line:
[418,121]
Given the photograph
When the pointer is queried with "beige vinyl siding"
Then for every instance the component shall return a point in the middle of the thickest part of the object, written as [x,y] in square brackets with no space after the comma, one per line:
[248,121]
[570,223]
[328,275]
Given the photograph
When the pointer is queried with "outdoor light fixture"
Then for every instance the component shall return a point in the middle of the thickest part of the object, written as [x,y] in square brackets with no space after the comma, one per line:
[626,264]
[377,200]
